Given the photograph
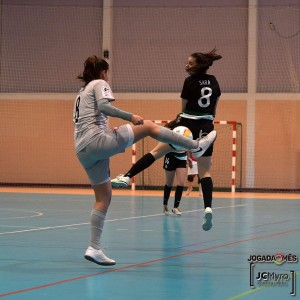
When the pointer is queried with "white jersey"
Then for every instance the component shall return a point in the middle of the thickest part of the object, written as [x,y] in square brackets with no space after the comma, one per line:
[88,120]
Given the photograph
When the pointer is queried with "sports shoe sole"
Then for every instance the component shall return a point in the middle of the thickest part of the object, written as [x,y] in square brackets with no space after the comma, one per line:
[176,214]
[119,184]
[207,225]
[89,258]
[203,149]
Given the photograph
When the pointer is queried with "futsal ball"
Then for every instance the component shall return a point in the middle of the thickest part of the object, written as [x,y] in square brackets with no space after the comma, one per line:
[182,130]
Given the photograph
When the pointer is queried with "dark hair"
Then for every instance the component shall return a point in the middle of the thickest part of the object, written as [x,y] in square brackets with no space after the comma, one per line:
[205,60]
[93,66]
[172,124]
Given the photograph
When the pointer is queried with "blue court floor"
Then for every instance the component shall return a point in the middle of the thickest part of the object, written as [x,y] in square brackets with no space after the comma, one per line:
[43,238]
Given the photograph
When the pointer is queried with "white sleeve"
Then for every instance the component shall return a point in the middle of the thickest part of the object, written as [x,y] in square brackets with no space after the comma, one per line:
[106,108]
[103,91]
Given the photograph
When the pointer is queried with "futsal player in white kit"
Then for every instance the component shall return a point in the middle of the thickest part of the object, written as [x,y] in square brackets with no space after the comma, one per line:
[95,142]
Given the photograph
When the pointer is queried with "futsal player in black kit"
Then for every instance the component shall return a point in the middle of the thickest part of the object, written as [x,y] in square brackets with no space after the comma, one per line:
[200,95]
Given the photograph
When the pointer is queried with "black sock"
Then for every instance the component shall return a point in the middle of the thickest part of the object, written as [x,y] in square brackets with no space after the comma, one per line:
[143,163]
[178,195]
[167,192]
[207,188]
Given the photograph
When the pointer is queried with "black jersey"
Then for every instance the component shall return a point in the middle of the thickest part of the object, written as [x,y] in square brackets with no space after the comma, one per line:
[202,92]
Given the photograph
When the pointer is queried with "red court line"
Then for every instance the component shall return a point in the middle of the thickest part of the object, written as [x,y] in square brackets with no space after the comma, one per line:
[146,263]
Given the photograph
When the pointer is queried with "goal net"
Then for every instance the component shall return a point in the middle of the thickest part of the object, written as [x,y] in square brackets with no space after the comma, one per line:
[148,43]
[226,163]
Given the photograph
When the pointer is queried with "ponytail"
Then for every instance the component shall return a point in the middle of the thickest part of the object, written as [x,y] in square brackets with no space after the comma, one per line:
[172,124]
[212,56]
[93,66]
[205,60]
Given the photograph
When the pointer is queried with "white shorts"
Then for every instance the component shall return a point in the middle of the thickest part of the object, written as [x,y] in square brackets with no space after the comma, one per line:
[194,169]
[95,156]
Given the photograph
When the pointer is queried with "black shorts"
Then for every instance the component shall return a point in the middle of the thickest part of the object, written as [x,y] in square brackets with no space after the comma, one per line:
[171,162]
[199,128]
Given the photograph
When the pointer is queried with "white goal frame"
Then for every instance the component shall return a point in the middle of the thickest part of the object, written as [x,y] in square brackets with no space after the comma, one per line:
[233,152]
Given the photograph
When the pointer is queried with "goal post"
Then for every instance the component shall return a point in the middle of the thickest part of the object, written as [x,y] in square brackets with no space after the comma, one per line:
[226,162]
[233,153]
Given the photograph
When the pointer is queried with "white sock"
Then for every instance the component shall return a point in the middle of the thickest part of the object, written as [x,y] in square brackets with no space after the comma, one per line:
[170,137]
[97,223]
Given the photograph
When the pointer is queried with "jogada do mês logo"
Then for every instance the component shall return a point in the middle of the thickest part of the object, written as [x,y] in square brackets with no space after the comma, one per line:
[278,258]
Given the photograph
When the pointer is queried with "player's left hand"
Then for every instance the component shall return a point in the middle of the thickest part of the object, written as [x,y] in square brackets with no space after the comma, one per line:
[137,120]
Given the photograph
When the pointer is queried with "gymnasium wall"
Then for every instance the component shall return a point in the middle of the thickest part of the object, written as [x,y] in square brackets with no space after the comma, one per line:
[37,140]
[148,41]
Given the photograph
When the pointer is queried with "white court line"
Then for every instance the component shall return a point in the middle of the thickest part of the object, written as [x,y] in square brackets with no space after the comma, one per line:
[113,220]
[36,214]
[15,226]
[42,228]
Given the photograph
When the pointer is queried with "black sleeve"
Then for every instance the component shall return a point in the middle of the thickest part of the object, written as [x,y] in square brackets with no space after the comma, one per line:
[184,92]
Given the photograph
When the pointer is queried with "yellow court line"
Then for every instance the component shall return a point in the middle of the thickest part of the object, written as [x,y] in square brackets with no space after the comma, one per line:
[128,192]
[257,289]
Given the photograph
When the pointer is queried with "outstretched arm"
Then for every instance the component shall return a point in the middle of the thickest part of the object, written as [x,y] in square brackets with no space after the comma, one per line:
[105,107]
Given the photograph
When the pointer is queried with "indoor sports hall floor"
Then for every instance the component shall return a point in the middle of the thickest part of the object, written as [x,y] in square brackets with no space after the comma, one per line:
[44,234]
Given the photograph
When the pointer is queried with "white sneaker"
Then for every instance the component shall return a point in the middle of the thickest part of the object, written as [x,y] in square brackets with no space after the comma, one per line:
[176,211]
[207,224]
[120,181]
[204,144]
[98,257]
[166,210]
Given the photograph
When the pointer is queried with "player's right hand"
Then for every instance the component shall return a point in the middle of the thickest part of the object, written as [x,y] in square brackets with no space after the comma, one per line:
[137,120]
